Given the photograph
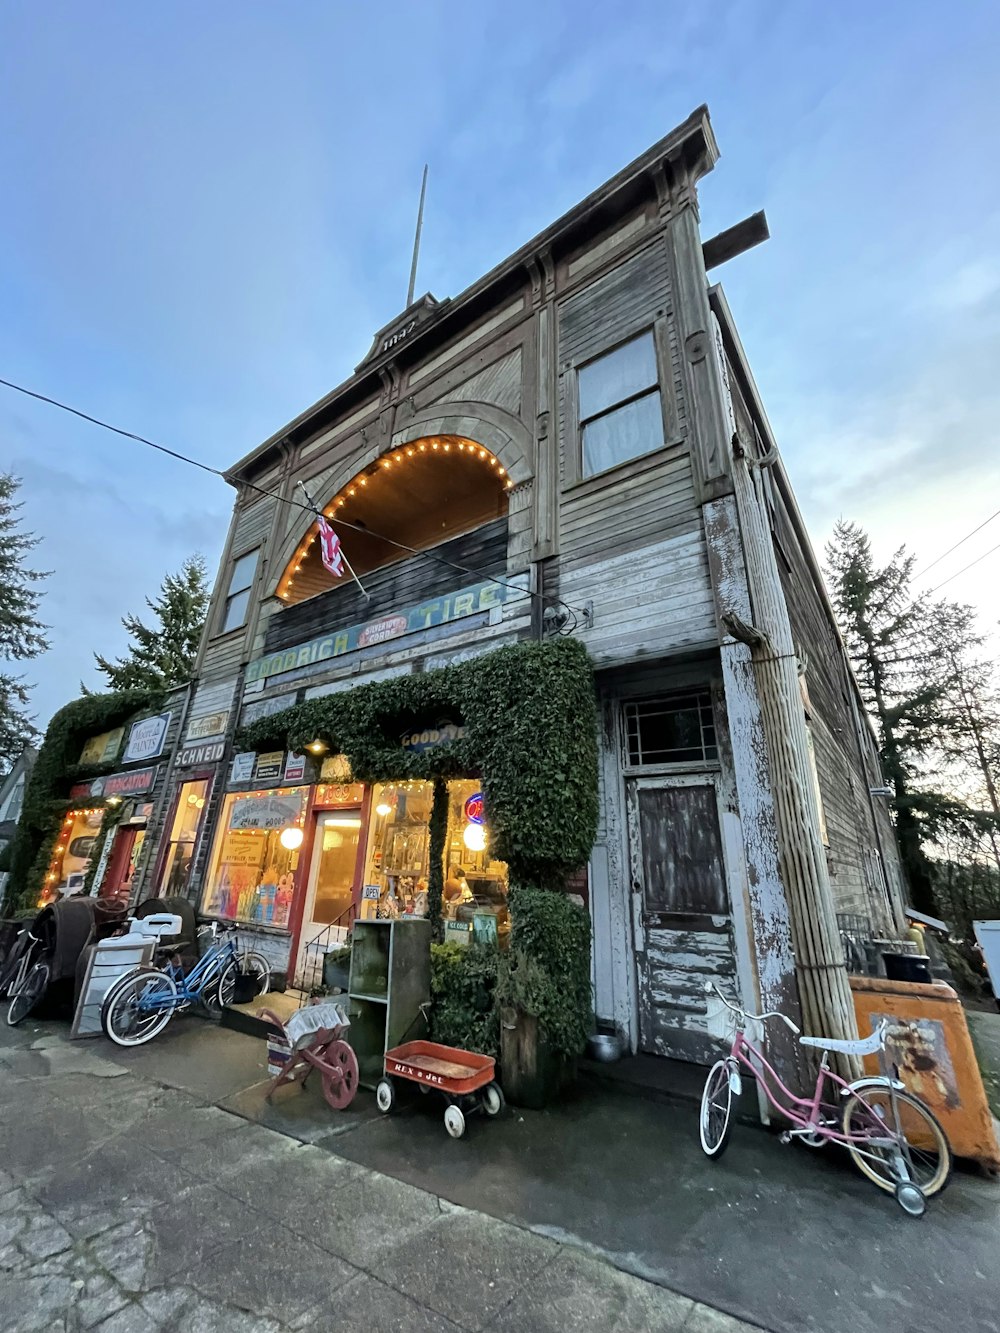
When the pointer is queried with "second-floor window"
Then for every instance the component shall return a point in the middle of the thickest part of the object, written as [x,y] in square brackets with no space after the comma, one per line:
[619,401]
[238,596]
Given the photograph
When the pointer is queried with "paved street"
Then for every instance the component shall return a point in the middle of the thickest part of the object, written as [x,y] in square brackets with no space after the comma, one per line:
[130,1206]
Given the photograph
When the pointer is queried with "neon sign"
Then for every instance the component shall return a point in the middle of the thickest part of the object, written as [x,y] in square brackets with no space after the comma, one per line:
[474,808]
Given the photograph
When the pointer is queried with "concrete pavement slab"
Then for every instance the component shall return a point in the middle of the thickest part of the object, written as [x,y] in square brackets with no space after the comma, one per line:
[272,1272]
[368,1304]
[579,1293]
[464,1265]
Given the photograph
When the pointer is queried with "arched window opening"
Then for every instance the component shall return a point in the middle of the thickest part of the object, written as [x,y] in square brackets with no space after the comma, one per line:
[418,495]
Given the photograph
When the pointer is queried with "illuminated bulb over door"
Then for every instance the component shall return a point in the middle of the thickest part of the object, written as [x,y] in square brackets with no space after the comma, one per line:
[291,838]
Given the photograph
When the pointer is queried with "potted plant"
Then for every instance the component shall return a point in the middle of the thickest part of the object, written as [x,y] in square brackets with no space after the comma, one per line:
[544,995]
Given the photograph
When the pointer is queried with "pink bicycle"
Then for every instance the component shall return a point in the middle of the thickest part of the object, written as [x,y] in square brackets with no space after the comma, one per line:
[892,1137]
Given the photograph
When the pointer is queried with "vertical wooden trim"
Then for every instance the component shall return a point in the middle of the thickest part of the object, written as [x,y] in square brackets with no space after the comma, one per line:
[704,391]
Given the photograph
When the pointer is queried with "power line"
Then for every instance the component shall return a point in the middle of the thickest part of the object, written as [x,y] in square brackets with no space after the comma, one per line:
[968,566]
[957,545]
[281,499]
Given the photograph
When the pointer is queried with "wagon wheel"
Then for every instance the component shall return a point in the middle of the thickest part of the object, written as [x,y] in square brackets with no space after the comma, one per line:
[385,1095]
[454,1121]
[493,1099]
[340,1079]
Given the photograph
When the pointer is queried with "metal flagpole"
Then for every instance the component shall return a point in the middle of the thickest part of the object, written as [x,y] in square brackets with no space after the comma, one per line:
[416,240]
[319,514]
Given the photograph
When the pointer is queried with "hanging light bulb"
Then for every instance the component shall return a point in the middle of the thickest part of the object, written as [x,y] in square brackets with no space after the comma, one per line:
[291,838]
[383,808]
[474,837]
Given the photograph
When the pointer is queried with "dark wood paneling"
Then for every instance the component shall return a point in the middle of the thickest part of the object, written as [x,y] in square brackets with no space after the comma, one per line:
[406,583]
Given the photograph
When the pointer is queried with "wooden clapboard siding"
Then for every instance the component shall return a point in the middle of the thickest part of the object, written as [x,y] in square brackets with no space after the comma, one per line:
[844,772]
[210,697]
[394,587]
[647,603]
[252,525]
[499,384]
[616,305]
[224,657]
[650,504]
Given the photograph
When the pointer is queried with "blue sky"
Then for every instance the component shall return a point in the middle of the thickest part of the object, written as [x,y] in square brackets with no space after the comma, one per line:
[208,211]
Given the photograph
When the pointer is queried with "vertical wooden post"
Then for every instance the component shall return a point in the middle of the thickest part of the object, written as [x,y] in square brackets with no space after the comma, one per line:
[758,656]
[824,991]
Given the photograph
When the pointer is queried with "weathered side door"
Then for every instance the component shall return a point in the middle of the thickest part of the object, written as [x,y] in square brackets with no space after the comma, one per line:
[681,912]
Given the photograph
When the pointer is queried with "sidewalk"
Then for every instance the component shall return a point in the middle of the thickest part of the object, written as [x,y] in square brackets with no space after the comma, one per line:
[129,1203]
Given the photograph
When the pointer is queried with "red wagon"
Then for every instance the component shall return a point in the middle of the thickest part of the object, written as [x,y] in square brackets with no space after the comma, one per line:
[464,1078]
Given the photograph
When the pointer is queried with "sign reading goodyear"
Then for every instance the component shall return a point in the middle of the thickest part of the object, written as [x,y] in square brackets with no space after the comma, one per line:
[440,611]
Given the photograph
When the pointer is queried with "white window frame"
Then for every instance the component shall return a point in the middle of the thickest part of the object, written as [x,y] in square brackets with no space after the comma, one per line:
[233,593]
[656,387]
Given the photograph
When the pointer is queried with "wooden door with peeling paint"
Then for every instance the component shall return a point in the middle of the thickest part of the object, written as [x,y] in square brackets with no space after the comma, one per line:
[681,912]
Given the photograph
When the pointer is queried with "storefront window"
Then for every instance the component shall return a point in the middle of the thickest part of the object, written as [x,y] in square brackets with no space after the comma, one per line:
[475,885]
[191,799]
[256,857]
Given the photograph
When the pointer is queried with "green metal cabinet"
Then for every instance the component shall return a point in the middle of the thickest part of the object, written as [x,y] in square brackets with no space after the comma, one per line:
[390,980]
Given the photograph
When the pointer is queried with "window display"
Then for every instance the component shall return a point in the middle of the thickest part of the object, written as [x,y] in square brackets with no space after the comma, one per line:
[191,799]
[256,858]
[398,863]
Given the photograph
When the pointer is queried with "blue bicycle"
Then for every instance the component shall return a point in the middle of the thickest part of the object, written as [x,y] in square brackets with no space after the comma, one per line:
[141,1004]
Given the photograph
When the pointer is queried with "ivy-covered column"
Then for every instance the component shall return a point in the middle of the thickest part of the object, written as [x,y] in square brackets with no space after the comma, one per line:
[435,876]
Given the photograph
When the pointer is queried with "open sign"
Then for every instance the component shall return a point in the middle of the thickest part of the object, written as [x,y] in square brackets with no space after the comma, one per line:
[474,808]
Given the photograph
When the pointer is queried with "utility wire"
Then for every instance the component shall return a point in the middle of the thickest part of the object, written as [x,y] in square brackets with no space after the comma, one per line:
[282,499]
[968,566]
[982,525]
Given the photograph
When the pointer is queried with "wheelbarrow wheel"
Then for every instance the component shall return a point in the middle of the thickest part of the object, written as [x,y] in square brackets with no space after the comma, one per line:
[493,1101]
[341,1082]
[385,1096]
[454,1121]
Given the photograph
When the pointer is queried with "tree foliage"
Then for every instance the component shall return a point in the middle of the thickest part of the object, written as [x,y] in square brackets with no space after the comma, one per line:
[931,691]
[46,796]
[22,636]
[162,655]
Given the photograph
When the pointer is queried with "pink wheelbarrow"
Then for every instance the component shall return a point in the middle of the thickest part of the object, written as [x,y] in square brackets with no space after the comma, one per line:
[313,1038]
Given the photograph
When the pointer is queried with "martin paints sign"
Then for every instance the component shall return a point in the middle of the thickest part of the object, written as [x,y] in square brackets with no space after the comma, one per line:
[145,740]
[440,611]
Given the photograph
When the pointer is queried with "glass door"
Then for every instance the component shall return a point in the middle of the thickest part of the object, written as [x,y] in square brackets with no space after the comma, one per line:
[332,878]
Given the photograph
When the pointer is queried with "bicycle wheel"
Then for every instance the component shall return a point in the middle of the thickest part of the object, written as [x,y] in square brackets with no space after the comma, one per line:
[252,965]
[139,1006]
[868,1113]
[716,1110]
[29,993]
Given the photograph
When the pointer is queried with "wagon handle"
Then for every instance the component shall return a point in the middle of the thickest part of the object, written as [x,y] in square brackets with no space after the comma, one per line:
[422,1010]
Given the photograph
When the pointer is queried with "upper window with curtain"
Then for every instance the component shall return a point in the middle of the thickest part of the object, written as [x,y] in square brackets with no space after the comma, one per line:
[238,596]
[619,404]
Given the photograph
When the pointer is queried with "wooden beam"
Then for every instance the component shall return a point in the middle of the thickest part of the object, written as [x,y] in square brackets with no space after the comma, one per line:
[734,240]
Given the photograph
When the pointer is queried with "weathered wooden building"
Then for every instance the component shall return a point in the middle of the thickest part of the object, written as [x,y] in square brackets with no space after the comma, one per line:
[572,445]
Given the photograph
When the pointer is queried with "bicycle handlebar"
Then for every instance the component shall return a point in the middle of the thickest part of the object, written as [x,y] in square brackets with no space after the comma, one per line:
[745,1014]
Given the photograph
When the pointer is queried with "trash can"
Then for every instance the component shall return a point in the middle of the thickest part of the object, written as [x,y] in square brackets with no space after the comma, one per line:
[907,967]
[929,1042]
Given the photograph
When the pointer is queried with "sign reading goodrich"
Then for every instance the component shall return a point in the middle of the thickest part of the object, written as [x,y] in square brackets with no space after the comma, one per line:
[440,611]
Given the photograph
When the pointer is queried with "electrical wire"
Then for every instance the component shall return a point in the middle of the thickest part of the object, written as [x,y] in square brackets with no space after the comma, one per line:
[281,499]
[957,545]
[968,566]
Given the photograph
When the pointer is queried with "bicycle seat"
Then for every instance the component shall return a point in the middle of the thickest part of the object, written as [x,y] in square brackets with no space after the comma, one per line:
[861,1046]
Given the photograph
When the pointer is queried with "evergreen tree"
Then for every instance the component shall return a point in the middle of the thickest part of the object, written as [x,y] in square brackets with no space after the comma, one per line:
[22,636]
[163,655]
[907,653]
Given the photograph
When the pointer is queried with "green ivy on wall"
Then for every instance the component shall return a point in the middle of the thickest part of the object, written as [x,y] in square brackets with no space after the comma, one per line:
[46,798]
[530,734]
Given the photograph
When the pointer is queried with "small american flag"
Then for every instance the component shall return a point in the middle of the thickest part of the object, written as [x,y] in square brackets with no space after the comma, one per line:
[329,547]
